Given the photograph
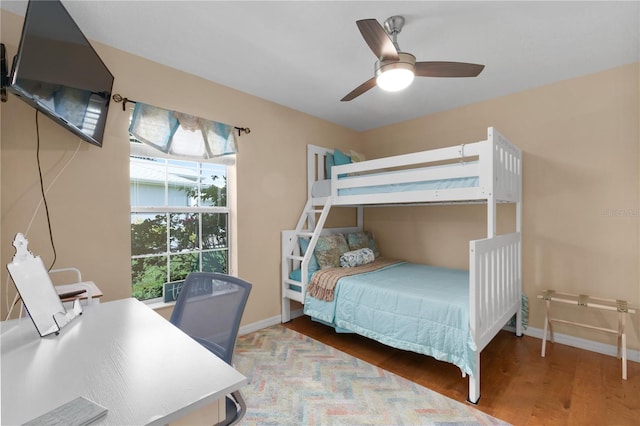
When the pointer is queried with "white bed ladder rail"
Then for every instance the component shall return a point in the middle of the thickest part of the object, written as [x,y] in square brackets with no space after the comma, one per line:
[309,226]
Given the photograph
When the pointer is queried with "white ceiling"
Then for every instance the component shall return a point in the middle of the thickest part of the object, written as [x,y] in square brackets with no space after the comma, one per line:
[307,55]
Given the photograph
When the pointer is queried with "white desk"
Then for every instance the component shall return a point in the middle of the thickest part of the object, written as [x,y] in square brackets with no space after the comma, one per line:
[119,354]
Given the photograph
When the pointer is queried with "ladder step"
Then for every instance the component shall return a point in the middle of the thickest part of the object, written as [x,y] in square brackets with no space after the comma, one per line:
[305,234]
[292,257]
[294,295]
[316,211]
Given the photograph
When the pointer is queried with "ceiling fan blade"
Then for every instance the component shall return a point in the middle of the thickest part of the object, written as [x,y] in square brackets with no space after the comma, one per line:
[360,89]
[377,39]
[447,69]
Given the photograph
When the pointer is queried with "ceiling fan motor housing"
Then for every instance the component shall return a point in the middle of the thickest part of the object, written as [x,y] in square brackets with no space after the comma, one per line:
[404,61]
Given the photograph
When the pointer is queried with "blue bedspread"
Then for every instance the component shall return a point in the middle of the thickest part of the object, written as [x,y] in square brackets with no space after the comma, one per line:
[424,309]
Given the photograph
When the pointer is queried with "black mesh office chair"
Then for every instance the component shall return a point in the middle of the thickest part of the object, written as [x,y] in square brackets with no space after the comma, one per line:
[209,309]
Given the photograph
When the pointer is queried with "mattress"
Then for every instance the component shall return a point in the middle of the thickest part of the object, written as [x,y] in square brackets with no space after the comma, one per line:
[420,308]
[322,188]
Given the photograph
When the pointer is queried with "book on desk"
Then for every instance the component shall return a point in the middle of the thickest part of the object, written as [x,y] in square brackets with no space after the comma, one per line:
[78,412]
[70,292]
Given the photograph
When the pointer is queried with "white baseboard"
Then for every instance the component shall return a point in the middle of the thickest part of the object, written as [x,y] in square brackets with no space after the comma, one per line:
[589,345]
[564,339]
[250,328]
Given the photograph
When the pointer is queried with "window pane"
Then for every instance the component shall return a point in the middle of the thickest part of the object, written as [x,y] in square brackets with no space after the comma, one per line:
[214,230]
[184,164]
[182,264]
[184,232]
[182,182]
[148,233]
[215,261]
[147,277]
[147,187]
[213,181]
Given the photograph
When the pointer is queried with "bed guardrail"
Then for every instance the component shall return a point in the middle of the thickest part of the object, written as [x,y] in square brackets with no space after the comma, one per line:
[495,162]
[495,292]
[495,284]
[414,167]
[506,168]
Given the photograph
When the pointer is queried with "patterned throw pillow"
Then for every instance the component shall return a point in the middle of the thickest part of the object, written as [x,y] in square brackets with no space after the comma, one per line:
[358,240]
[357,258]
[329,249]
[372,244]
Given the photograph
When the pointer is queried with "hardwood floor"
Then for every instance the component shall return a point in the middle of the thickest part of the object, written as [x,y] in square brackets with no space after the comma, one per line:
[568,387]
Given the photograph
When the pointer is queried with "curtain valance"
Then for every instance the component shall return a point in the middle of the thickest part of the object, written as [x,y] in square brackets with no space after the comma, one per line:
[181,134]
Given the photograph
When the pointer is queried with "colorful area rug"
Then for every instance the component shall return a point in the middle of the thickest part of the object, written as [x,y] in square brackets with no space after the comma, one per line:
[295,380]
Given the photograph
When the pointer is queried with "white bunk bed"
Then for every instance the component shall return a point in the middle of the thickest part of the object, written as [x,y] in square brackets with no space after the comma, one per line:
[488,171]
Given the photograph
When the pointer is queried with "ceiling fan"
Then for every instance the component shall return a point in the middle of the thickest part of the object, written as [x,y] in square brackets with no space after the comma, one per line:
[394,69]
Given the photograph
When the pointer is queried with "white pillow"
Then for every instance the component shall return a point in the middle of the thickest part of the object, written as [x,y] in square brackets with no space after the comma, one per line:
[356,156]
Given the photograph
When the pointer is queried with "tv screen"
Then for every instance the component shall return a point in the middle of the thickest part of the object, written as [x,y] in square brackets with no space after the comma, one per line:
[59,73]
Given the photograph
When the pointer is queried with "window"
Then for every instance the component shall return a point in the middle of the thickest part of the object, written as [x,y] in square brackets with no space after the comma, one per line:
[179,222]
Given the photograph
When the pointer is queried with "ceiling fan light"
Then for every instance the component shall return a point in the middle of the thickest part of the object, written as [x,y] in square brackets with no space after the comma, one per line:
[394,80]
[395,75]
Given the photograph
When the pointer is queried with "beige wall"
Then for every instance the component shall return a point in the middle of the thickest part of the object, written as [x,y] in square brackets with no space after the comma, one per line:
[581,160]
[580,140]
[89,203]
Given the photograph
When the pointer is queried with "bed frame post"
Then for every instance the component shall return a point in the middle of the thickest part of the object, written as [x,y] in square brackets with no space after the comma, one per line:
[312,158]
[287,247]
[518,164]
[474,326]
[474,382]
[491,217]
[491,197]
[519,330]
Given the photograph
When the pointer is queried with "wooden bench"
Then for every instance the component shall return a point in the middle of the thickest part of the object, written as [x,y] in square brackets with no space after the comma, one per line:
[620,306]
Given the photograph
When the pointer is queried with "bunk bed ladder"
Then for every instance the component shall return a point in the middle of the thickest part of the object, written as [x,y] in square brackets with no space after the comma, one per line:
[309,226]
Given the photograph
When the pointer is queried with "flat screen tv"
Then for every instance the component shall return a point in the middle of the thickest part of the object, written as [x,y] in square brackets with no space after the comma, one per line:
[57,71]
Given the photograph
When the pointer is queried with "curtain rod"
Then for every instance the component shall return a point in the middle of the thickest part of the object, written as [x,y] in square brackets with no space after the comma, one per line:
[118,98]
